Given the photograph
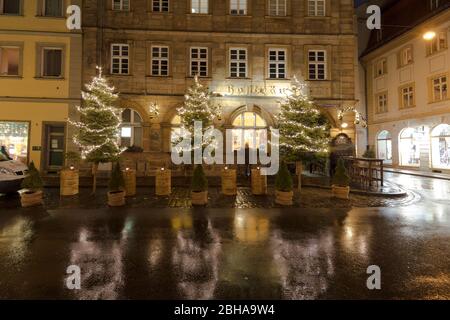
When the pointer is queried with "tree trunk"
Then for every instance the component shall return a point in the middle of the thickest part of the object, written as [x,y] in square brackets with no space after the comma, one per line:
[94,177]
[299,171]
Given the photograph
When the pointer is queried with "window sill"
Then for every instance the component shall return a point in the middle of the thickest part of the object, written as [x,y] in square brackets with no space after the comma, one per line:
[201,78]
[405,65]
[278,79]
[239,16]
[160,13]
[199,15]
[380,76]
[318,80]
[278,17]
[120,75]
[7,76]
[159,77]
[12,15]
[51,17]
[317,17]
[235,78]
[406,108]
[50,78]
[439,101]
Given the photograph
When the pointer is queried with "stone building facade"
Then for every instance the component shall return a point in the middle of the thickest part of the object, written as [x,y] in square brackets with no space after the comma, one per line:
[245,51]
[407,78]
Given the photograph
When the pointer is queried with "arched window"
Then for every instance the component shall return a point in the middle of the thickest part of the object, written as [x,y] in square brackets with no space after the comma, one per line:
[440,147]
[410,147]
[131,129]
[249,129]
[384,146]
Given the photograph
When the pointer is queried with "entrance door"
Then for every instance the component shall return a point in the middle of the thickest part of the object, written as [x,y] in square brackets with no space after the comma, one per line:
[55,138]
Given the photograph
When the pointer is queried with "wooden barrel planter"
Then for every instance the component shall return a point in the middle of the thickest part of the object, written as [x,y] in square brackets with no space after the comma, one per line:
[129,177]
[31,199]
[163,182]
[259,183]
[229,180]
[284,198]
[199,198]
[69,182]
[116,198]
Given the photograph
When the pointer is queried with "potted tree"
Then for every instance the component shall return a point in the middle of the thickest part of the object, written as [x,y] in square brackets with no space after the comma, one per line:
[32,185]
[341,182]
[99,125]
[304,129]
[69,176]
[116,194]
[284,186]
[199,192]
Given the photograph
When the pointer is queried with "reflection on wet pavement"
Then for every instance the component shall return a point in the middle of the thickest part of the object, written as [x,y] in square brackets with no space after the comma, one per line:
[144,253]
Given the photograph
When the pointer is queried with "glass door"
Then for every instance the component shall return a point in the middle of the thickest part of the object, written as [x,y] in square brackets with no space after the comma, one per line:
[55,147]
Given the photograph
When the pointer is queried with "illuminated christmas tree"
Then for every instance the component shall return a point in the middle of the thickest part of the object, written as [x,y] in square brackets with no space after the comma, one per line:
[99,125]
[304,130]
[198,107]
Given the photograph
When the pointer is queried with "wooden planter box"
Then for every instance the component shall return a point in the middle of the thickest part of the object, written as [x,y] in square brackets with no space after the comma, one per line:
[259,183]
[199,198]
[31,199]
[116,199]
[130,182]
[340,192]
[229,180]
[284,198]
[163,181]
[69,182]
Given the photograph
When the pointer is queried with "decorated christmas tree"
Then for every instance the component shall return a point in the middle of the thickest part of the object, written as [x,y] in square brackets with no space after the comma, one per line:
[304,130]
[198,107]
[98,128]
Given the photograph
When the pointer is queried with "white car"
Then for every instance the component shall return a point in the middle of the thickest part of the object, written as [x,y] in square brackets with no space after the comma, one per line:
[11,175]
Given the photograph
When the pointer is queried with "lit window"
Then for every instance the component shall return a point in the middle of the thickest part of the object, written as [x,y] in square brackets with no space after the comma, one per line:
[11,7]
[381,68]
[438,44]
[410,147]
[382,103]
[250,130]
[316,8]
[440,147]
[407,97]
[121,5]
[160,5]
[384,146]
[406,56]
[14,137]
[160,61]
[440,88]
[277,63]
[317,64]
[131,129]
[199,62]
[238,63]
[53,8]
[200,6]
[9,61]
[51,62]
[277,8]
[120,58]
[238,7]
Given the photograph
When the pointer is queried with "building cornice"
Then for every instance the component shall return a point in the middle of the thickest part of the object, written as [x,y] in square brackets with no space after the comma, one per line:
[40,99]
[40,33]
[221,33]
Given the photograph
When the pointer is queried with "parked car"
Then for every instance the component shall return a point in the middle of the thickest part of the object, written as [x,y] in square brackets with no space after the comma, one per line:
[11,174]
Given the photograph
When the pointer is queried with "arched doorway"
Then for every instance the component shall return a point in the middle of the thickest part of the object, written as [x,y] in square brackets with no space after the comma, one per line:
[409,147]
[249,128]
[440,147]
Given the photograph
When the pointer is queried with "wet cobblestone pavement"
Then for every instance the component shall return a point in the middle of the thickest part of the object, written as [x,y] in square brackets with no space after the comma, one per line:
[249,249]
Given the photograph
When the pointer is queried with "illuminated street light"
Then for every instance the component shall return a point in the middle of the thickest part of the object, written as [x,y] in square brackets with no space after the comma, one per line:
[430,35]
[344,125]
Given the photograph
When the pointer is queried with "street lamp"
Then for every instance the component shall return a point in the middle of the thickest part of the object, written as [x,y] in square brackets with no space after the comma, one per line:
[429,35]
